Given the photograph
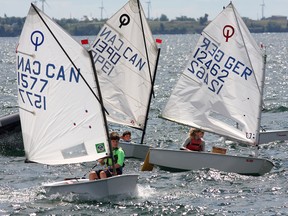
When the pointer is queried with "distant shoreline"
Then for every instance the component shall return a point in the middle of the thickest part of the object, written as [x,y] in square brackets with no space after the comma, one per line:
[12,26]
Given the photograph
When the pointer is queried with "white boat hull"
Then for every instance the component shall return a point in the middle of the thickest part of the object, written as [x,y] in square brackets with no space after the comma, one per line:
[133,150]
[84,189]
[178,160]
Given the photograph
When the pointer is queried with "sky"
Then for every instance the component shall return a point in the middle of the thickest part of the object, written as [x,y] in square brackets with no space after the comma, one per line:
[171,8]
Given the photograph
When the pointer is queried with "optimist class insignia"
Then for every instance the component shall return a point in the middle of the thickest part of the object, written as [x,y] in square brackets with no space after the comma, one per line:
[228,32]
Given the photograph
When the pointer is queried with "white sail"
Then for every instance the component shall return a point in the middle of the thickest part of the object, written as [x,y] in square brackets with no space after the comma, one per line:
[123,67]
[222,84]
[61,119]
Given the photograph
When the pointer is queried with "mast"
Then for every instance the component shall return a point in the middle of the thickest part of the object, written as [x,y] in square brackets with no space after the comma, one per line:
[141,21]
[152,79]
[261,98]
[103,110]
[150,98]
[260,88]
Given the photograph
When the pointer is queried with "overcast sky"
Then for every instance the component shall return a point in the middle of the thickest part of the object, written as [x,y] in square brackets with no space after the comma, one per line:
[171,8]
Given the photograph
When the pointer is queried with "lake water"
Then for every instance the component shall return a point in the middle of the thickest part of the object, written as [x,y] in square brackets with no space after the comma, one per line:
[202,192]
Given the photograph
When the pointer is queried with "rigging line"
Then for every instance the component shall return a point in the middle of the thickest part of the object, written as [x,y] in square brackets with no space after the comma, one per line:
[68,168]
[67,54]
[32,112]
[145,45]
[31,55]
[90,169]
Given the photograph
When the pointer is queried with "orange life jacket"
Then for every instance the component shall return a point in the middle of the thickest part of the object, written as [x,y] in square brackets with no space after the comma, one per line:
[195,145]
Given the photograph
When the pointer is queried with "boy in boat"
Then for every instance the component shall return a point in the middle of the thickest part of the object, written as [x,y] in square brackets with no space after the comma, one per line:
[195,141]
[126,136]
[119,157]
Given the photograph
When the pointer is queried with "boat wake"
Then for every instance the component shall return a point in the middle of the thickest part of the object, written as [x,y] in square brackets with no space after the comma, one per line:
[278,109]
[145,191]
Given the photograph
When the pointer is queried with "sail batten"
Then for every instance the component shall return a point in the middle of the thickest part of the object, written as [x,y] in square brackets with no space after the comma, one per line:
[220,88]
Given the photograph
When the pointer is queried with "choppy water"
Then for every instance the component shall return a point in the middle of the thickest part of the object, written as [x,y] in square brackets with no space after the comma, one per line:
[203,192]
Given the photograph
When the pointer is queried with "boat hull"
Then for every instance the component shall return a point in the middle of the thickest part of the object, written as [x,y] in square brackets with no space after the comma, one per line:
[271,136]
[178,160]
[133,150]
[84,189]
[11,140]
[9,123]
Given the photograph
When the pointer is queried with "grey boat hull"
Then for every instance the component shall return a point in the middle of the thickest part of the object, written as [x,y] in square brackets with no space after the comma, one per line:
[134,150]
[178,160]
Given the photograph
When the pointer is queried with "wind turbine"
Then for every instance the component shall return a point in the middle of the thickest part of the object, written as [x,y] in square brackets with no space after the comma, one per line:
[262,5]
[43,2]
[101,8]
[149,6]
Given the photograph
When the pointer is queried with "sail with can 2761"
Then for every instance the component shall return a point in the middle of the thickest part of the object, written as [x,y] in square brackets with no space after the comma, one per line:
[61,118]
[221,87]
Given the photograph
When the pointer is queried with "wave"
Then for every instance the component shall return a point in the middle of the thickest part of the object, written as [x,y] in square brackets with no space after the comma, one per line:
[278,109]
[11,144]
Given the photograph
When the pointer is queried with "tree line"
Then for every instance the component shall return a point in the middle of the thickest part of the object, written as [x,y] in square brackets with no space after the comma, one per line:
[12,26]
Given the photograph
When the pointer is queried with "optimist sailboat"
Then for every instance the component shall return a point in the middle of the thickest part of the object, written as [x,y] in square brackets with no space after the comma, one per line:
[62,118]
[222,86]
[126,57]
